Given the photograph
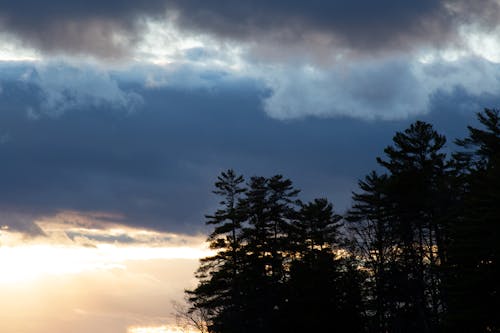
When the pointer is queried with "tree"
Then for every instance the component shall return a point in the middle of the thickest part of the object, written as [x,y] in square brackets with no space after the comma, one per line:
[189,319]
[475,250]
[376,243]
[269,204]
[400,222]
[218,294]
[423,253]
[278,265]
[323,284]
[315,228]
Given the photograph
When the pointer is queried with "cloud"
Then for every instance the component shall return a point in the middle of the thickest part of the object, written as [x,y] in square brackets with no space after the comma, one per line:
[387,90]
[111,29]
[326,32]
[152,168]
[79,27]
[360,24]
[391,88]
[93,281]
[17,221]
[63,88]
[66,249]
[155,168]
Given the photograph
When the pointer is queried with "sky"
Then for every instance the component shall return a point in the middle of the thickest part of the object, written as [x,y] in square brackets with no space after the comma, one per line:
[117,116]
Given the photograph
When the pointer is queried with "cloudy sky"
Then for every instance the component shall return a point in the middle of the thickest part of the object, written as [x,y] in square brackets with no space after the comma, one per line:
[116,117]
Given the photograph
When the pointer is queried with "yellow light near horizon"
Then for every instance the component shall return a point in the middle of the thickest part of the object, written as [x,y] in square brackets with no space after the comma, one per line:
[159,329]
[26,263]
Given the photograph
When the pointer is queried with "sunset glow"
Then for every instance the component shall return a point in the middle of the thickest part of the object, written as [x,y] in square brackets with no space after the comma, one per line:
[26,263]
[159,329]
[93,273]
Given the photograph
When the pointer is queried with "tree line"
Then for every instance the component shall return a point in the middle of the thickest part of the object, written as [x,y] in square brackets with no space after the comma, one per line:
[418,251]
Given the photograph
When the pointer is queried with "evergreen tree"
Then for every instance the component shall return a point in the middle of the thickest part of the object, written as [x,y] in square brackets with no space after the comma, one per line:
[218,292]
[475,251]
[316,228]
[417,187]
[323,289]
[279,265]
[423,253]
[376,243]
[401,218]
[269,204]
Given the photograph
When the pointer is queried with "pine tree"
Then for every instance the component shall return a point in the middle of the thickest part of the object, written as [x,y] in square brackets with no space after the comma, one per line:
[423,253]
[323,284]
[401,217]
[376,243]
[316,228]
[218,292]
[475,251]
[269,204]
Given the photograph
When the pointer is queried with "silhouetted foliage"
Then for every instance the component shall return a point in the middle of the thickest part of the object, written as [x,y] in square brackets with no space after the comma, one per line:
[418,251]
[475,251]
[218,294]
[275,256]
[399,223]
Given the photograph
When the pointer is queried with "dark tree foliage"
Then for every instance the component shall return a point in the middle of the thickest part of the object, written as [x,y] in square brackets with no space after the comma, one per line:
[315,228]
[399,223]
[269,203]
[218,293]
[475,252]
[418,251]
[279,265]
[376,243]
[324,286]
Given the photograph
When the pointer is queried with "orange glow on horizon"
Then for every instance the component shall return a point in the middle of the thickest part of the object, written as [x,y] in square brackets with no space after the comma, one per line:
[29,262]
[159,329]
[80,275]
[74,249]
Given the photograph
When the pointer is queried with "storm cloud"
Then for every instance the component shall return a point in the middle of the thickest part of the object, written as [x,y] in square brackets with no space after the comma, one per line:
[154,167]
[110,28]
[142,141]
[101,28]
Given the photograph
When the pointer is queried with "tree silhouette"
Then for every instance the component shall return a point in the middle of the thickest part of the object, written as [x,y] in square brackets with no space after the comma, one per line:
[324,286]
[418,251]
[475,251]
[400,221]
[218,293]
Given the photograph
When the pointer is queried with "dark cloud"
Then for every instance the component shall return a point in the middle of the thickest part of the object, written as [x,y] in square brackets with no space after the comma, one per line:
[93,26]
[358,24]
[17,220]
[122,238]
[155,166]
[102,28]
[361,26]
